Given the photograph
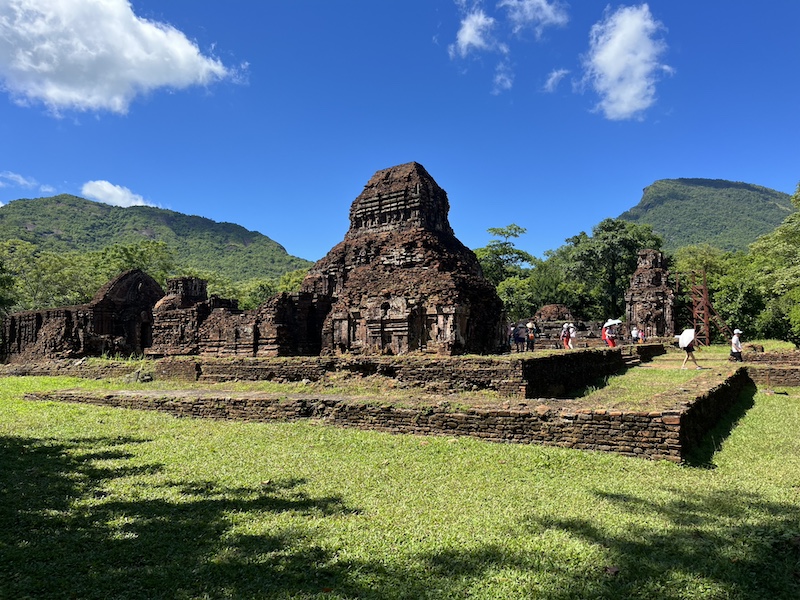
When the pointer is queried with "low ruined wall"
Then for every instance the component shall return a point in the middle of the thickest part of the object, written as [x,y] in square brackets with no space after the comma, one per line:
[548,376]
[775,375]
[539,377]
[69,368]
[773,358]
[646,352]
[709,406]
[668,434]
[774,369]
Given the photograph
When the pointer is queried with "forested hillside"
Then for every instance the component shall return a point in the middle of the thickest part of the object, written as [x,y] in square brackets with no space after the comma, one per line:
[724,214]
[67,223]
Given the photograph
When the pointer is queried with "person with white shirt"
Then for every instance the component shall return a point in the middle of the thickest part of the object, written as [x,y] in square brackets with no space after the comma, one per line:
[736,346]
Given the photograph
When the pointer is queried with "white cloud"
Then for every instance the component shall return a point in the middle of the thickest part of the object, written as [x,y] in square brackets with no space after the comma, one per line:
[623,64]
[535,14]
[16,180]
[93,55]
[474,34]
[554,78]
[503,78]
[108,193]
[479,32]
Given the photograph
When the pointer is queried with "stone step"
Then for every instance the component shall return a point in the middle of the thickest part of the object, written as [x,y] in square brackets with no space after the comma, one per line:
[631,361]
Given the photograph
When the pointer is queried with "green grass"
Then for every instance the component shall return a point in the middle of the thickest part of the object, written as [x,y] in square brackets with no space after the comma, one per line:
[110,503]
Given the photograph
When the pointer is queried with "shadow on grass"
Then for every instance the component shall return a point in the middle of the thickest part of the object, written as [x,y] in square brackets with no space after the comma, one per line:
[65,534]
[702,456]
[61,536]
[717,545]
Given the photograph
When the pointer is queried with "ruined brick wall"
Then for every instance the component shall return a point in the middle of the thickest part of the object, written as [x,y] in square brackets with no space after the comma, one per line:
[773,358]
[670,434]
[176,331]
[291,324]
[710,405]
[228,333]
[541,377]
[57,332]
[774,369]
[118,320]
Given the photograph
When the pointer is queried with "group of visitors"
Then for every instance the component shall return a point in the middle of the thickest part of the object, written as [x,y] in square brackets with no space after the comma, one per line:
[637,335]
[523,337]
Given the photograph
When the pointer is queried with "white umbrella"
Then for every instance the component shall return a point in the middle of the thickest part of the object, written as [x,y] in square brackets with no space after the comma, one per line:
[685,338]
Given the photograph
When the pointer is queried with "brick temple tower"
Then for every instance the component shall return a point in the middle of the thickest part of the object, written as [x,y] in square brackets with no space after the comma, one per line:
[401,281]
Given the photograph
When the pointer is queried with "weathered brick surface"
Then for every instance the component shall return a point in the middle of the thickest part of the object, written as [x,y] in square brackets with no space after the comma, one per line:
[118,320]
[774,369]
[649,302]
[775,376]
[773,358]
[668,434]
[540,377]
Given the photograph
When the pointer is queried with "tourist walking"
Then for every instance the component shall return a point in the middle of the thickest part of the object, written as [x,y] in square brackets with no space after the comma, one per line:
[686,342]
[736,346]
[573,333]
[565,336]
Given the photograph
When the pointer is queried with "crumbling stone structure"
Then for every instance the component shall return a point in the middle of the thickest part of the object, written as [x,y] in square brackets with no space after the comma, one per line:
[649,302]
[400,281]
[189,322]
[118,320]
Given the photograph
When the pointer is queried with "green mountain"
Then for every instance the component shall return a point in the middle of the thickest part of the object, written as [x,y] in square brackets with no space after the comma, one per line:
[726,214]
[63,223]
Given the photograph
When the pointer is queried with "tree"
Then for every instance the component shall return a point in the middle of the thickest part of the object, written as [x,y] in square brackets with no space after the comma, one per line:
[254,292]
[154,258]
[776,269]
[6,289]
[46,279]
[291,281]
[500,259]
[605,262]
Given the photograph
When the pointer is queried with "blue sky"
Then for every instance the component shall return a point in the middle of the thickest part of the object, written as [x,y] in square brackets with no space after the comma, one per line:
[274,114]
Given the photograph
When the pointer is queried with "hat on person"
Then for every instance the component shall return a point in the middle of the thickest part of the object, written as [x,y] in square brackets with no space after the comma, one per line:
[737,331]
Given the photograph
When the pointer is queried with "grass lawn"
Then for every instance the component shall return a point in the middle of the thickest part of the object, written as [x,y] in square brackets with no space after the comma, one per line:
[110,503]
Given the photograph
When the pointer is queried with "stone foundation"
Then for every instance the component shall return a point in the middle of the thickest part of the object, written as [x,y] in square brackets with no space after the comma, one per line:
[669,434]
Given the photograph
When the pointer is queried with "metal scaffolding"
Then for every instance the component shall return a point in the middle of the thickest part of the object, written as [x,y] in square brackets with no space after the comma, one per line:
[703,313]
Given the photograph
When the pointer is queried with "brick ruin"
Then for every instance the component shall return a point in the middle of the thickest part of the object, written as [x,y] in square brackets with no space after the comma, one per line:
[649,302]
[118,320]
[400,282]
